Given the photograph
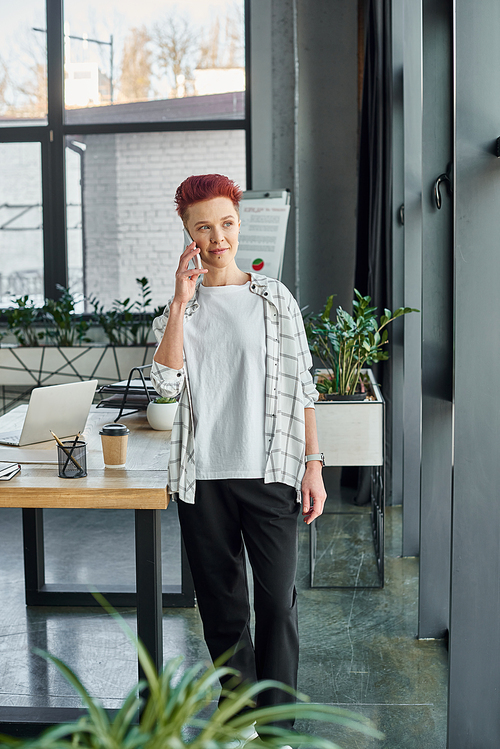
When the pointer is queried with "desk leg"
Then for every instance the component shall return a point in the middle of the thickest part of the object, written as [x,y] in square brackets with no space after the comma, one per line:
[187,584]
[34,560]
[149,590]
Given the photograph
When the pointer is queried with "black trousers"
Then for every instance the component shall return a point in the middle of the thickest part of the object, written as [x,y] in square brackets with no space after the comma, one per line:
[226,514]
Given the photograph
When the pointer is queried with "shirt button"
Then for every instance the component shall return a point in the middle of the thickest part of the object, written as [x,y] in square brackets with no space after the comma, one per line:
[265,293]
[179,374]
[253,286]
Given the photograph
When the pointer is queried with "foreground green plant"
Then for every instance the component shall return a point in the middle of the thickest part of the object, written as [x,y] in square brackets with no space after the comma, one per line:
[352,342]
[171,715]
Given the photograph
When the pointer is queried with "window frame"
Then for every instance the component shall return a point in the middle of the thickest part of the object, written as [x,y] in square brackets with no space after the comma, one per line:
[52,140]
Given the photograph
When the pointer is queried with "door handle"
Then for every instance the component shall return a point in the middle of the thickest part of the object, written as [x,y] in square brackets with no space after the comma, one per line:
[445,177]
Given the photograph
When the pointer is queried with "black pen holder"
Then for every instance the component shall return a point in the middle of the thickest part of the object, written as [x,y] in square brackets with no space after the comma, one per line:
[72,461]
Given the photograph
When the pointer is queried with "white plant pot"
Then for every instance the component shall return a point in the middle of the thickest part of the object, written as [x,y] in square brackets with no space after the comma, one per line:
[161,416]
[351,433]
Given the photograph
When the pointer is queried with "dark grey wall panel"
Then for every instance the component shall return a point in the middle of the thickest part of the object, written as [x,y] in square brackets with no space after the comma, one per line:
[412,393]
[437,323]
[272,83]
[324,46]
[397,256]
[328,131]
[474,692]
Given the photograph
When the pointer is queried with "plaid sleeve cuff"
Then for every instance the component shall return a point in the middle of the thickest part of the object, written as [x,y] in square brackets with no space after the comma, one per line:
[309,391]
[166,381]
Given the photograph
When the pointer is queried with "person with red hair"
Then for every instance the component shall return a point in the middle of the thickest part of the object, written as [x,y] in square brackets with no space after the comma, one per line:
[244,448]
[205,187]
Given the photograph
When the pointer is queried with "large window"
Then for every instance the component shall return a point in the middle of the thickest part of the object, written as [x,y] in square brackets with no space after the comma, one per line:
[139,96]
[150,54]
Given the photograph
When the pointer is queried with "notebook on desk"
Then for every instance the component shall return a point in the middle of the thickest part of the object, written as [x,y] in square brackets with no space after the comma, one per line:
[61,408]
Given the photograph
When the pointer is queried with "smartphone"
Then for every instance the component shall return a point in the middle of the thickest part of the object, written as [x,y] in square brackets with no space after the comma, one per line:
[188,240]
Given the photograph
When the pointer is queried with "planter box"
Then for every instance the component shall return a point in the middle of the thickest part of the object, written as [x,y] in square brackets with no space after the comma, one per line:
[53,365]
[351,433]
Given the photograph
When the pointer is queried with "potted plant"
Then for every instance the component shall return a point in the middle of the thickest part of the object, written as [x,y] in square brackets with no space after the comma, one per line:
[161,413]
[348,345]
[350,410]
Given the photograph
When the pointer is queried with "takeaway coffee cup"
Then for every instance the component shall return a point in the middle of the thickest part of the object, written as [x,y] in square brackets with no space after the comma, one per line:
[114,438]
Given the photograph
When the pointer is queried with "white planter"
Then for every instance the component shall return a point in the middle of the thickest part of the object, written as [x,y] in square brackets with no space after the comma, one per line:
[351,433]
[161,416]
[53,365]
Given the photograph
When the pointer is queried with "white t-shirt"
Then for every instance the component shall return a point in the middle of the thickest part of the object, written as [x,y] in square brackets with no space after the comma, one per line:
[225,352]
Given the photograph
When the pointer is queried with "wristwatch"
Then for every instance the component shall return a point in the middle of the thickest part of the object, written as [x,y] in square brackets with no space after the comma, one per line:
[316,456]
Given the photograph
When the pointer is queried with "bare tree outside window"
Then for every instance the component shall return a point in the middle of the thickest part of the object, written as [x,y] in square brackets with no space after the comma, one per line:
[23,77]
[223,46]
[136,67]
[176,46]
[4,83]
[34,90]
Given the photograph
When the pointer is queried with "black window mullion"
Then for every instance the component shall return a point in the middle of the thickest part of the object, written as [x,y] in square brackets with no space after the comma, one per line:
[53,163]
[154,127]
[23,134]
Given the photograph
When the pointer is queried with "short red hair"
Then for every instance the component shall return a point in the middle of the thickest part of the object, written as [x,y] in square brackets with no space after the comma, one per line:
[200,187]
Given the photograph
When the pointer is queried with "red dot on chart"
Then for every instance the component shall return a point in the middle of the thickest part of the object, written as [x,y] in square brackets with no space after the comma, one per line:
[258,264]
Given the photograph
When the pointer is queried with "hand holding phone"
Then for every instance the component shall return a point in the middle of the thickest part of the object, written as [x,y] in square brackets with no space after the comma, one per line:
[196,259]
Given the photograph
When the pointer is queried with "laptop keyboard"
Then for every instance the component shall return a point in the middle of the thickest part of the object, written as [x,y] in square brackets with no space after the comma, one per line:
[10,439]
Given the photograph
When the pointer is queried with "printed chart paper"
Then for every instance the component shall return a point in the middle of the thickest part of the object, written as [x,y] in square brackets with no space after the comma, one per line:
[262,236]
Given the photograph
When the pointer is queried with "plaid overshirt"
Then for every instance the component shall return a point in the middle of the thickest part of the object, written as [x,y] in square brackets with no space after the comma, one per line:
[289,389]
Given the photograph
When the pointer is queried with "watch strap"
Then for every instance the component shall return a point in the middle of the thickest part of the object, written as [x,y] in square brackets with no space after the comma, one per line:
[316,456]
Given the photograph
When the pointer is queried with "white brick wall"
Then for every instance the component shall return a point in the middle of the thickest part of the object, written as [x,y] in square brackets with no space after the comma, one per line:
[131,226]
[100,209]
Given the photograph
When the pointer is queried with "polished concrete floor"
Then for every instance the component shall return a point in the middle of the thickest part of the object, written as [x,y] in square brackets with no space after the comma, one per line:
[358,646]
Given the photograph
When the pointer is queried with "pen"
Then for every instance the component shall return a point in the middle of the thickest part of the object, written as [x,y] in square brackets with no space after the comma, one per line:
[71,452]
[77,464]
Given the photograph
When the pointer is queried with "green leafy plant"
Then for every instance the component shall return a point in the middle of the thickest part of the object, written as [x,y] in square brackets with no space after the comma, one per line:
[165,400]
[22,319]
[127,322]
[65,328]
[171,716]
[349,343]
[142,319]
[109,320]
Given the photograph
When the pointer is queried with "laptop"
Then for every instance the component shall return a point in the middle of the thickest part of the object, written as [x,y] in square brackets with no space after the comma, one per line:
[61,408]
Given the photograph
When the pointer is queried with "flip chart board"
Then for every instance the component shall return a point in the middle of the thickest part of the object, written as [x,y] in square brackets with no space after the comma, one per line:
[264,219]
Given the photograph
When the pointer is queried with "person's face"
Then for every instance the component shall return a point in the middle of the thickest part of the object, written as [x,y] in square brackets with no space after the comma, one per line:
[214,225]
